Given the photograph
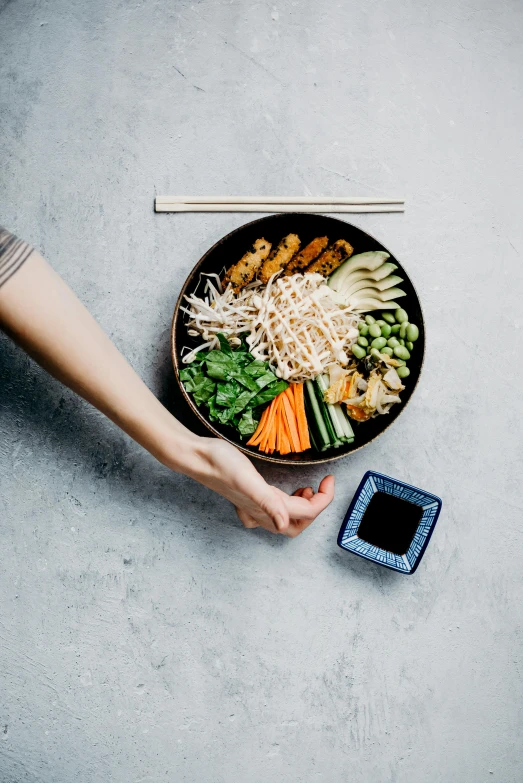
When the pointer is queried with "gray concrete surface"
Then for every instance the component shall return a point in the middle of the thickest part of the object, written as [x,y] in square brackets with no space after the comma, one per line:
[144,636]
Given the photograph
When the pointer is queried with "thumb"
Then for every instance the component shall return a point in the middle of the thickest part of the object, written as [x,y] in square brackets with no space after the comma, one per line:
[280,522]
[273,506]
[245,518]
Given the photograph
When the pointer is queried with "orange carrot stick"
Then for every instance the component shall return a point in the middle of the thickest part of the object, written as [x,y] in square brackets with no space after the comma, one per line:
[263,434]
[286,429]
[274,424]
[277,426]
[301,416]
[285,442]
[267,429]
[285,446]
[255,438]
[288,408]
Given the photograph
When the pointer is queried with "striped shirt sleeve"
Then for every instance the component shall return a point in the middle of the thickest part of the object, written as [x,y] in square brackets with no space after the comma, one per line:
[14,253]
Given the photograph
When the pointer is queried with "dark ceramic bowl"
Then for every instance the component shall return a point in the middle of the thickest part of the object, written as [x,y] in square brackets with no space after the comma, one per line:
[307,226]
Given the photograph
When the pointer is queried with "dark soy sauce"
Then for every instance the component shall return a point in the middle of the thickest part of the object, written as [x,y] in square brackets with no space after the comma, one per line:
[390,523]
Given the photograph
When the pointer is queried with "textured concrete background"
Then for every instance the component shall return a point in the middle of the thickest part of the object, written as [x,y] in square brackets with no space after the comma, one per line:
[144,636]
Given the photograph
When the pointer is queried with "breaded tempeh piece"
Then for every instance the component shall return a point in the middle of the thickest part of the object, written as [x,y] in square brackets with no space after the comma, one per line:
[332,258]
[306,256]
[240,274]
[280,256]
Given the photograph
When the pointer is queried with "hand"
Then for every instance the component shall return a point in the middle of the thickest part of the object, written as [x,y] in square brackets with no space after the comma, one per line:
[41,313]
[226,470]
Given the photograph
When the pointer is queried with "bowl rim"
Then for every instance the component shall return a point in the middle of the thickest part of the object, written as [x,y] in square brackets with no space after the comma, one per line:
[269,457]
[399,483]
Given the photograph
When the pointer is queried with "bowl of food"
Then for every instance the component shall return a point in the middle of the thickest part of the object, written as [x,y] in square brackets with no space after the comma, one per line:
[299,338]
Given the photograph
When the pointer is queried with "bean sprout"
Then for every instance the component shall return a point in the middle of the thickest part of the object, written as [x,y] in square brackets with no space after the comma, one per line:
[294,323]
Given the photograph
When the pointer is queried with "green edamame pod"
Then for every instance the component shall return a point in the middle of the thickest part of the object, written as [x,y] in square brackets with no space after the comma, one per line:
[395,329]
[387,350]
[409,345]
[401,352]
[358,351]
[380,321]
[393,342]
[388,317]
[370,320]
[385,331]
[374,353]
[403,329]
[401,341]
[403,371]
[363,342]
[379,343]
[364,330]
[401,315]
[412,333]
[375,330]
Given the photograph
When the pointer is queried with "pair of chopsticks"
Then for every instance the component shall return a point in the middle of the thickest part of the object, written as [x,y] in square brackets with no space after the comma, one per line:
[277,204]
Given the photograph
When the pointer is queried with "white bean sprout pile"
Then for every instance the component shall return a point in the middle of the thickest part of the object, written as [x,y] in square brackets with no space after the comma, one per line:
[293,322]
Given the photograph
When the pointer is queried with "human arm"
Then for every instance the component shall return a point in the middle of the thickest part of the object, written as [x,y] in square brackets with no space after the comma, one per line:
[41,313]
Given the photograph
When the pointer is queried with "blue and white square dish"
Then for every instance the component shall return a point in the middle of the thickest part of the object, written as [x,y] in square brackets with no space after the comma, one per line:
[371,483]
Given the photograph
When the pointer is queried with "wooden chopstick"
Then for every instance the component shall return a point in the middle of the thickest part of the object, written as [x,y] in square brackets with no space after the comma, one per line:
[272,207]
[349,200]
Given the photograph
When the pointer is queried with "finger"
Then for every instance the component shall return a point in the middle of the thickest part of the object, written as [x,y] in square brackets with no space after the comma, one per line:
[297,526]
[327,484]
[304,492]
[250,521]
[304,506]
[292,531]
[326,488]
[246,519]
[281,522]
[299,492]
[308,508]
[275,508]
[272,508]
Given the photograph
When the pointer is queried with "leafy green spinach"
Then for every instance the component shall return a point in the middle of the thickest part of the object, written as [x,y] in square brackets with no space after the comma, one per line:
[232,385]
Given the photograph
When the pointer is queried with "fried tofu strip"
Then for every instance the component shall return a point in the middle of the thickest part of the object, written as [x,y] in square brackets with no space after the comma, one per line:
[280,256]
[332,258]
[240,274]
[306,256]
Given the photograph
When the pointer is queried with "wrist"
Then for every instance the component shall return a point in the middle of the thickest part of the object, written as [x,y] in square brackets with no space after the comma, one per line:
[188,454]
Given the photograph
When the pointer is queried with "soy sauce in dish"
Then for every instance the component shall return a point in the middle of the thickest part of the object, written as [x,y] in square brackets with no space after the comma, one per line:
[390,523]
